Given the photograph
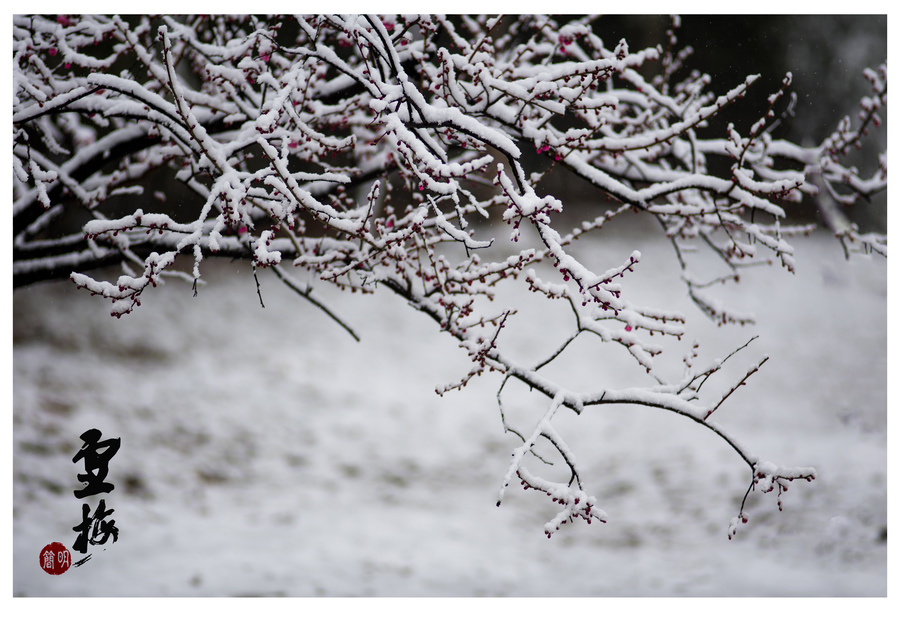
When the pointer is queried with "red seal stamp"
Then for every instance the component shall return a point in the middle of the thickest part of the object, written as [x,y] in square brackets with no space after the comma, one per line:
[55,558]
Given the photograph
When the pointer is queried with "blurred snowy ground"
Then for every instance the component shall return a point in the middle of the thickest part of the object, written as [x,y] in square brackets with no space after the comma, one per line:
[264,452]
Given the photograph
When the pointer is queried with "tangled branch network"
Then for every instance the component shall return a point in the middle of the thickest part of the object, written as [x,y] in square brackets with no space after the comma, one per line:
[382,152]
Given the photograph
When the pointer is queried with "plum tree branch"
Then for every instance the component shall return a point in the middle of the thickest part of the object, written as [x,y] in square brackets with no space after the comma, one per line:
[359,149]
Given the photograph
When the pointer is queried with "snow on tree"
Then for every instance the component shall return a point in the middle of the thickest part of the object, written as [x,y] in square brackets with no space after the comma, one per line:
[383,152]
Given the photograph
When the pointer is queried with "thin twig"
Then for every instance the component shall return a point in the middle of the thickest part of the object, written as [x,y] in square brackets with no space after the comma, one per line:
[307,294]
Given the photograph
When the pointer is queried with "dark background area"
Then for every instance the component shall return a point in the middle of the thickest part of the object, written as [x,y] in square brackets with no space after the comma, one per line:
[826,55]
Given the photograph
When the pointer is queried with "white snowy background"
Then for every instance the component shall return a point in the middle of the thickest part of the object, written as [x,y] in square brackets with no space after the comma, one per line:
[266,453]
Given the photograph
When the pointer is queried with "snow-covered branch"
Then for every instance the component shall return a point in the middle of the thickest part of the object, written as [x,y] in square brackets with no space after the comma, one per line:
[388,151]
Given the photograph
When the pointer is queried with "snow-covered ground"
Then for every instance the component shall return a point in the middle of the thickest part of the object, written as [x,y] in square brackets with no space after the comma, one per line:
[265,452]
